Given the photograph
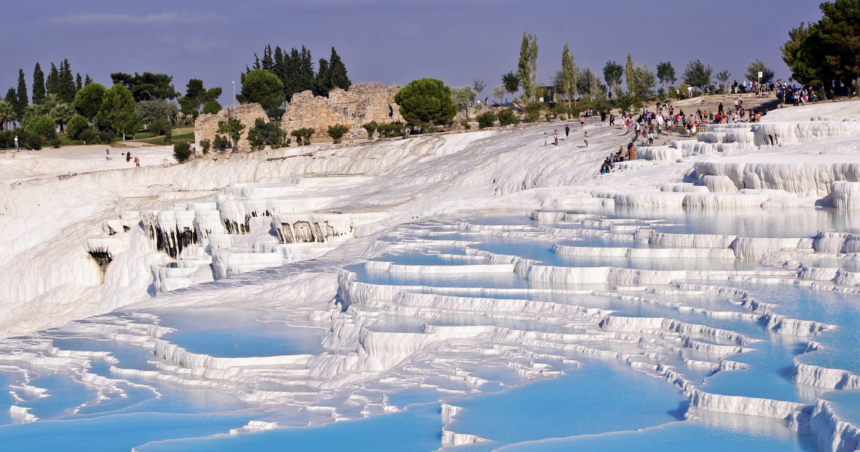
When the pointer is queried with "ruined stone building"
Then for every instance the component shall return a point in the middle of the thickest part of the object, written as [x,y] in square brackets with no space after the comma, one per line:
[359,105]
[206,126]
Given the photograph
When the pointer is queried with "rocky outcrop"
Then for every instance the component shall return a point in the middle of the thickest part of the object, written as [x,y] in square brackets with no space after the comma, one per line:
[359,105]
[206,126]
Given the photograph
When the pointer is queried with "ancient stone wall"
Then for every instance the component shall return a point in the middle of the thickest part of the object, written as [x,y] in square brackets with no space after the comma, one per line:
[359,105]
[206,126]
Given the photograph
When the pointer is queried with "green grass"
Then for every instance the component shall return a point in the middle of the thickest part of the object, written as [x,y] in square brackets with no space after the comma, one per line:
[184,138]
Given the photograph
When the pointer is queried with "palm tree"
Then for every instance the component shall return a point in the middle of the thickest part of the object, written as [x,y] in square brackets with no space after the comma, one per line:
[49,104]
[63,114]
[31,112]
[7,114]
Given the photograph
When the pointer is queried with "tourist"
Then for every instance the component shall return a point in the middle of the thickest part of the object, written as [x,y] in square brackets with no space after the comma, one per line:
[136,162]
[611,120]
[107,154]
[555,136]
[582,122]
[127,157]
[351,136]
[566,131]
[586,139]
[544,138]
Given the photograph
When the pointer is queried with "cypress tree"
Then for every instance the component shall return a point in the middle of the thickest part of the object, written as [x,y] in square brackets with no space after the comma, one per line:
[38,85]
[67,83]
[21,101]
[268,63]
[322,84]
[11,96]
[87,80]
[78,83]
[292,74]
[337,72]
[53,84]
[306,70]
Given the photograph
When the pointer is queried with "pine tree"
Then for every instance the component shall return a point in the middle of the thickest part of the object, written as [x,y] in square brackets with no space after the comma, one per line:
[53,85]
[21,101]
[337,72]
[38,85]
[268,63]
[87,80]
[78,83]
[322,83]
[11,99]
[306,70]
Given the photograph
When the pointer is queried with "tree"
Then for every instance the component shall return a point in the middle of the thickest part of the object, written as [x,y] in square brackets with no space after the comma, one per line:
[498,93]
[644,80]
[506,117]
[832,48]
[336,132]
[146,86]
[370,127]
[754,68]
[53,83]
[182,152]
[212,107]
[527,66]
[49,103]
[337,72]
[462,97]
[262,87]
[196,96]
[322,83]
[511,82]
[612,74]
[426,101]
[233,128]
[38,85]
[724,77]
[7,114]
[149,111]
[77,125]
[666,73]
[568,74]
[21,100]
[698,75]
[42,126]
[88,101]
[87,80]
[118,111]
[587,82]
[628,69]
[78,83]
[488,119]
[479,86]
[67,83]
[63,113]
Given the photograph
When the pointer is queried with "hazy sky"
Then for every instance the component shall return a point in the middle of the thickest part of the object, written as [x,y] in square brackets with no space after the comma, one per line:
[389,41]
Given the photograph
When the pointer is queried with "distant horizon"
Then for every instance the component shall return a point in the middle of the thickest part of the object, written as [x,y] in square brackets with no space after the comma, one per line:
[387,42]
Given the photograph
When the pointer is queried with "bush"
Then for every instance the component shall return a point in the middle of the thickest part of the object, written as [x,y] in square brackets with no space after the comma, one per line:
[303,136]
[168,135]
[182,152]
[106,137]
[466,125]
[426,101]
[30,140]
[507,117]
[55,142]
[275,113]
[220,143]
[89,136]
[266,133]
[533,111]
[370,128]
[205,145]
[393,130]
[159,127]
[487,119]
[42,126]
[76,125]
[212,107]
[336,132]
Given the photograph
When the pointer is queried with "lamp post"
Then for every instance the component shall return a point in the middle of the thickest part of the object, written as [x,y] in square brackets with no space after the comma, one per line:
[234,95]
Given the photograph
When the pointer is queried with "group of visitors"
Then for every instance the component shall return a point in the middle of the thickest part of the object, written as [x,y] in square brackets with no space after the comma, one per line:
[127,155]
[609,163]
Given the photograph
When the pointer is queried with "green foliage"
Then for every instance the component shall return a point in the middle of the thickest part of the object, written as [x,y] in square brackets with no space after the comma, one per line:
[150,111]
[89,136]
[168,135]
[303,136]
[466,124]
[182,152]
[532,110]
[395,129]
[631,82]
[88,101]
[644,80]
[827,50]
[426,101]
[205,145]
[159,127]
[42,126]
[21,101]
[146,86]
[38,85]
[275,113]
[266,134]
[76,125]
[67,89]
[370,128]
[262,87]
[337,72]
[336,132]
[527,65]
[220,143]
[212,107]
[233,128]
[487,119]
[462,97]
[507,117]
[7,114]
[196,95]
[612,74]
[624,102]
[62,114]
[698,75]
[511,82]
[754,68]
[30,140]
[118,112]
[55,142]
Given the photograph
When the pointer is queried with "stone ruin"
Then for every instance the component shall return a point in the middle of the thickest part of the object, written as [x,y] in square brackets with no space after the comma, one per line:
[206,126]
[359,105]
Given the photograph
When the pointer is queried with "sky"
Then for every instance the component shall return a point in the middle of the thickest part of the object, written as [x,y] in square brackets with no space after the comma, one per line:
[391,42]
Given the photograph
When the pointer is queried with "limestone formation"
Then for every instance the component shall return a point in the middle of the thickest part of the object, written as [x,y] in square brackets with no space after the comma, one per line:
[359,105]
[206,126]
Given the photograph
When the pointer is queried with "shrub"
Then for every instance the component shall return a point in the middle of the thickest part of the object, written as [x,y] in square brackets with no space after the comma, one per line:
[487,119]
[507,117]
[159,127]
[533,111]
[426,101]
[182,152]
[106,137]
[168,135]
[76,125]
[89,136]
[393,130]
[30,140]
[298,133]
[205,145]
[466,125]
[42,126]
[307,135]
[266,134]
[220,143]
[370,128]
[55,142]
[212,107]
[275,113]
[336,132]
[233,128]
